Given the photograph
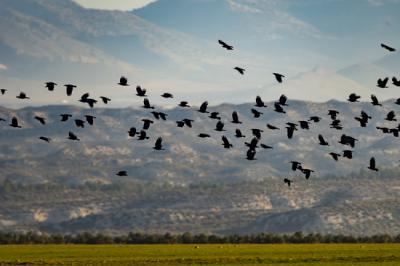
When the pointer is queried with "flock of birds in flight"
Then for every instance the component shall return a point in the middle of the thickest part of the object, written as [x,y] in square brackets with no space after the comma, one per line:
[254,144]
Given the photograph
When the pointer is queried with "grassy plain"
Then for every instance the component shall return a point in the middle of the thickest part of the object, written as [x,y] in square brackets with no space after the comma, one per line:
[215,254]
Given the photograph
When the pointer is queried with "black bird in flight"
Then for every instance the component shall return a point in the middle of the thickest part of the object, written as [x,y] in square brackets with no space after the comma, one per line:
[140,92]
[14,123]
[65,117]
[336,124]
[287,181]
[250,155]
[256,113]
[41,120]
[160,115]
[372,165]
[353,98]
[219,126]
[183,104]
[188,122]
[204,135]
[322,141]
[395,81]
[69,89]
[295,165]
[348,154]
[375,101]
[347,140]
[253,143]
[257,132]
[90,119]
[283,100]
[304,125]
[278,108]
[203,107]
[240,70]
[397,101]
[381,83]
[235,118]
[290,129]
[158,144]
[147,123]
[225,45]
[384,130]
[214,115]
[105,99]
[167,95]
[272,127]
[335,155]
[307,172]
[259,102]
[123,81]
[391,116]
[122,173]
[85,99]
[395,132]
[146,104]
[143,135]
[80,123]
[132,132]
[45,139]
[3,91]
[333,114]
[315,119]
[239,134]
[390,49]
[226,143]
[265,146]
[180,123]
[22,96]
[363,122]
[278,77]
[50,85]
[72,136]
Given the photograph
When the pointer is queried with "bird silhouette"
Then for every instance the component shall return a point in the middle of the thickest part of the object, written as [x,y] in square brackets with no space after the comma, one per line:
[143,135]
[183,104]
[132,132]
[225,45]
[250,155]
[259,102]
[123,81]
[348,154]
[391,116]
[295,165]
[315,119]
[290,131]
[3,91]
[203,107]
[372,165]
[363,122]
[397,101]
[396,81]
[353,98]
[307,172]
[50,85]
[146,104]
[46,139]
[41,120]
[85,99]
[90,119]
[158,144]
[265,146]
[335,155]
[336,124]
[256,113]
[240,70]
[283,100]
[140,92]
[188,122]
[272,127]
[347,140]
[65,117]
[226,143]
[381,83]
[383,129]
[235,118]
[253,143]
[395,132]
[219,126]
[167,95]
[163,116]
[390,49]
[204,135]
[180,123]
[333,114]
[322,141]
[287,181]
[257,132]
[122,173]
[239,134]
[14,123]
[278,77]
[147,123]
[214,115]
[105,99]
[304,125]
[278,108]
[22,96]
[72,136]
[80,123]
[69,89]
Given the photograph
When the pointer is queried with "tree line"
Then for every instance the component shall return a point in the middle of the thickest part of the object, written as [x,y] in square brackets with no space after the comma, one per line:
[188,238]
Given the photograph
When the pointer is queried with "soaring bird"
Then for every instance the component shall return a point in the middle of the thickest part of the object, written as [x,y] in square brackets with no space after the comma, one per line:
[383,129]
[239,134]
[272,127]
[307,172]
[333,114]
[391,116]
[290,131]
[259,102]
[226,143]
[162,115]
[257,132]
[315,119]
[180,123]
[90,119]
[235,118]
[158,144]
[363,122]
[65,117]
[278,77]
[372,164]
[14,123]
[203,107]
[69,89]
[395,132]
[304,125]
[140,92]
[396,81]
[336,124]
[132,132]
[278,108]
[283,100]
[80,123]
[322,141]
[146,104]
[3,91]
[381,83]
[85,99]
[219,126]
[214,115]
[295,165]
[347,140]
[167,95]
[22,96]
[348,154]
[122,173]
[250,155]
[390,49]
[188,122]
[72,136]
[240,70]
[123,81]
[142,135]
[105,99]
[353,98]
[183,104]
[225,45]
[41,120]
[256,113]
[204,135]
[45,139]
[156,115]
[253,144]
[287,181]
[50,85]
[375,101]
[147,123]
[335,155]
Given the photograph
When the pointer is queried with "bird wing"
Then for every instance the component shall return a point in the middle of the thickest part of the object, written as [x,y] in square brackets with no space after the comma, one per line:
[372,163]
[282,99]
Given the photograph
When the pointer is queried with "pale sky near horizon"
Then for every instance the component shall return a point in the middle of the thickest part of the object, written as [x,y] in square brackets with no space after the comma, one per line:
[115,4]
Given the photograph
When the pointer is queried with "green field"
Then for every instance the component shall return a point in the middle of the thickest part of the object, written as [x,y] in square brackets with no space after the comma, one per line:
[312,254]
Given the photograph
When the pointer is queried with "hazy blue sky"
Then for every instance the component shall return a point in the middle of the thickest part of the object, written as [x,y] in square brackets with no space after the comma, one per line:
[115,4]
